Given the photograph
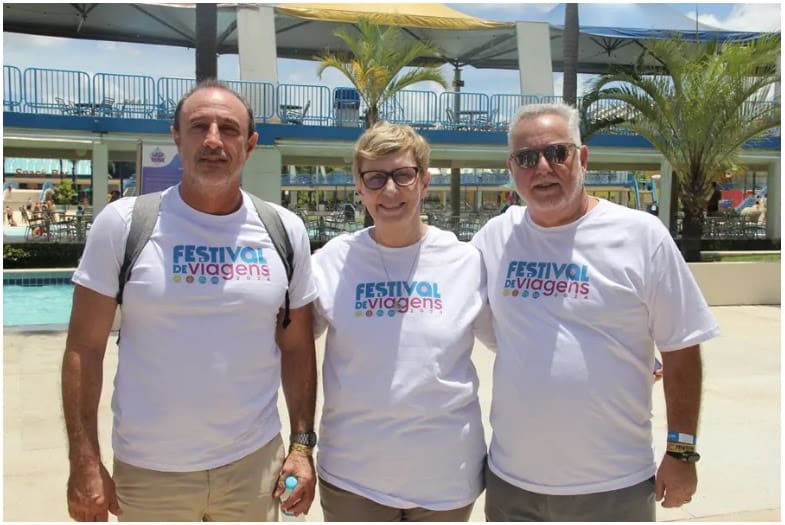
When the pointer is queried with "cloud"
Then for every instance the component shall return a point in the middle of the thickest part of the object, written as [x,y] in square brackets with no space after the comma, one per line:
[754,17]
[743,17]
[18,39]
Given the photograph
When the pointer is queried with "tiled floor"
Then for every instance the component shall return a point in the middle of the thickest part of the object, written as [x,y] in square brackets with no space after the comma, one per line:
[739,474]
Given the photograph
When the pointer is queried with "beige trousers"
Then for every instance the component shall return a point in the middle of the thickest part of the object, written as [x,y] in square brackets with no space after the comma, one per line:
[239,491]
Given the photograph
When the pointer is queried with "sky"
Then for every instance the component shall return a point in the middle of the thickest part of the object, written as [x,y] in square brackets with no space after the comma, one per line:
[167,61]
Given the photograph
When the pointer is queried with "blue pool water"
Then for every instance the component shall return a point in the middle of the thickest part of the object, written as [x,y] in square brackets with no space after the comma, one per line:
[36,300]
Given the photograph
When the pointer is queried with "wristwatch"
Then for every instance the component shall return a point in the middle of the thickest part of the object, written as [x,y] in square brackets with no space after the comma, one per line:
[686,457]
[307,439]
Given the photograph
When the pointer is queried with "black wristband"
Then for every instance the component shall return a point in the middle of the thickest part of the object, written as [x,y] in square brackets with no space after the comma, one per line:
[686,457]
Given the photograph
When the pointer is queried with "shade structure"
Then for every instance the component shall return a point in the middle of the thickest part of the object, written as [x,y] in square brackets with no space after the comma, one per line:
[304,31]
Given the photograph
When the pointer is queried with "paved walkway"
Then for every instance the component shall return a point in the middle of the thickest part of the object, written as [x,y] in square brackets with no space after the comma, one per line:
[739,474]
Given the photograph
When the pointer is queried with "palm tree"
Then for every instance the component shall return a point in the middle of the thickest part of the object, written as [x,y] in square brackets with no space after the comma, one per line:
[591,122]
[376,62]
[706,101]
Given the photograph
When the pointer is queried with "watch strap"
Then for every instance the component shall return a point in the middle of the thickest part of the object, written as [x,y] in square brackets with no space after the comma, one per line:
[686,457]
[302,449]
[307,439]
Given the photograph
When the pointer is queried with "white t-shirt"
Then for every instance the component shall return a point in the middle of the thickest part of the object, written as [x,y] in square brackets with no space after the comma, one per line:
[577,312]
[199,370]
[401,420]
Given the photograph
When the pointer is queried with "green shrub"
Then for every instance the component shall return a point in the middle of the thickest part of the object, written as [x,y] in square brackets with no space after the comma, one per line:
[41,255]
[65,192]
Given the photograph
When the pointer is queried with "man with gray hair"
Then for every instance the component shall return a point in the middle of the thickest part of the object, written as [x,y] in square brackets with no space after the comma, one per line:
[581,291]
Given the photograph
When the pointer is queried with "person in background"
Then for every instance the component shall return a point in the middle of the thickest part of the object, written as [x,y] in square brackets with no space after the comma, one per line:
[713,205]
[401,434]
[196,433]
[581,291]
[9,216]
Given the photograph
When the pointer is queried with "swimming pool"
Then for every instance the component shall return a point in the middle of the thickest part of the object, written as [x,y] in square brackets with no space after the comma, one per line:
[37,300]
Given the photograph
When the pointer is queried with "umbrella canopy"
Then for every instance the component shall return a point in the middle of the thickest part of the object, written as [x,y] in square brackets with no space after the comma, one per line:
[304,31]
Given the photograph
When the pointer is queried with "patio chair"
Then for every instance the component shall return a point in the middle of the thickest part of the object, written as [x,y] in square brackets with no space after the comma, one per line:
[453,122]
[65,108]
[106,107]
[297,117]
[37,227]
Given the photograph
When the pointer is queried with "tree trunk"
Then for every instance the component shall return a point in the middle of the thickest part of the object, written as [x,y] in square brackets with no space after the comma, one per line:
[570,50]
[692,232]
[455,199]
[371,118]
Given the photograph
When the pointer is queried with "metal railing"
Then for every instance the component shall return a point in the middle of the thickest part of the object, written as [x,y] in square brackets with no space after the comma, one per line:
[56,91]
[67,92]
[13,89]
[126,96]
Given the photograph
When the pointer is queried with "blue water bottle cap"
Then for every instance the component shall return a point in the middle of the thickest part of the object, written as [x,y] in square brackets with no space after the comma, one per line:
[290,482]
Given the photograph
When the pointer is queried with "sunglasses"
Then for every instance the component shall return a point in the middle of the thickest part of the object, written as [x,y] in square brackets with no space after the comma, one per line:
[554,154]
[377,179]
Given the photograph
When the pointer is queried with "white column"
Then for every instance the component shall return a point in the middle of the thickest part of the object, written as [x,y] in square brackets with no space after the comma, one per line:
[534,58]
[256,43]
[262,174]
[664,193]
[773,202]
[257,52]
[100,176]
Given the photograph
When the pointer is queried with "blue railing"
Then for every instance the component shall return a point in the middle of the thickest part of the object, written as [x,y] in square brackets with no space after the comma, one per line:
[127,96]
[12,88]
[65,92]
[342,178]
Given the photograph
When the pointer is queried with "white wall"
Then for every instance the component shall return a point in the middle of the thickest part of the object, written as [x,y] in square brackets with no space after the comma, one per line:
[735,283]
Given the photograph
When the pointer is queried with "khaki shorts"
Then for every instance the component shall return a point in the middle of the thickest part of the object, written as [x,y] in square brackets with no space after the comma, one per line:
[239,491]
[342,505]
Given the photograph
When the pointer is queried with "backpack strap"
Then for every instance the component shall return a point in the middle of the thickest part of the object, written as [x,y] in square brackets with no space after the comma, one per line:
[143,220]
[280,238]
[145,215]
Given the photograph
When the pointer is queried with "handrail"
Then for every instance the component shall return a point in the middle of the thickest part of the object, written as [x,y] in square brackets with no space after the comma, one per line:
[76,93]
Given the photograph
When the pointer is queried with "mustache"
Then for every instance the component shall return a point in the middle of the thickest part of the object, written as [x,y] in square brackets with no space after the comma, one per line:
[212,152]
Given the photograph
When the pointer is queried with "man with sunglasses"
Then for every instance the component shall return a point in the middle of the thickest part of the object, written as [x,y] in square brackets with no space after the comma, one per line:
[581,291]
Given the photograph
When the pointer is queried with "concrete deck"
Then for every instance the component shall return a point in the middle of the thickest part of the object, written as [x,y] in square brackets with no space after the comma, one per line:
[739,474]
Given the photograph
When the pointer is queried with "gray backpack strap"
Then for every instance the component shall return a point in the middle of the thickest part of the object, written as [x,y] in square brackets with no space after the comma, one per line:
[275,228]
[143,220]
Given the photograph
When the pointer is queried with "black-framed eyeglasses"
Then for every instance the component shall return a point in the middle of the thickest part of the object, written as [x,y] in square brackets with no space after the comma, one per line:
[554,154]
[377,179]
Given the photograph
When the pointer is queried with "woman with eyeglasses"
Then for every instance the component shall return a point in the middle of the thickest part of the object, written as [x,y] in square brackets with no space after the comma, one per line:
[401,435]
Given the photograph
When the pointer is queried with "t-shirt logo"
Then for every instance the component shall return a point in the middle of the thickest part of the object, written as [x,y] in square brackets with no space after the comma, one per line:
[535,279]
[380,299]
[212,264]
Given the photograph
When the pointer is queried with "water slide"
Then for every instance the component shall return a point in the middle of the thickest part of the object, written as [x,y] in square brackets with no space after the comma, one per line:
[44,188]
[750,199]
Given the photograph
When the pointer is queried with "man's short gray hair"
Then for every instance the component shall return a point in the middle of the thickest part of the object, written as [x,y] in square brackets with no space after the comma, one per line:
[569,113]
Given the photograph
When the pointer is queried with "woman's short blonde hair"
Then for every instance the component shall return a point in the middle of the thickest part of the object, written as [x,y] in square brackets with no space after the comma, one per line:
[385,139]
